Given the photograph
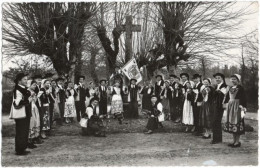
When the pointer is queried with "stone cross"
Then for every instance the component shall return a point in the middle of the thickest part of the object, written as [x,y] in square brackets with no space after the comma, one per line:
[129,28]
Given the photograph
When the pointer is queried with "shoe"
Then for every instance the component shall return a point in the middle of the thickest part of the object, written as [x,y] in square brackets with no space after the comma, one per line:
[231,144]
[23,153]
[31,146]
[193,129]
[149,132]
[38,141]
[236,145]
[214,142]
[186,130]
[206,137]
[43,136]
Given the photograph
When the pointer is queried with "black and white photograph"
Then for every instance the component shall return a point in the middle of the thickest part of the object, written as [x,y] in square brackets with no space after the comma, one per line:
[129,83]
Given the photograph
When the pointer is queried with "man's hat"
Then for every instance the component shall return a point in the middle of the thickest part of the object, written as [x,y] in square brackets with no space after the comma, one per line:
[48,75]
[81,76]
[196,76]
[37,76]
[173,76]
[158,76]
[219,74]
[102,80]
[19,76]
[59,79]
[133,79]
[184,74]
[153,96]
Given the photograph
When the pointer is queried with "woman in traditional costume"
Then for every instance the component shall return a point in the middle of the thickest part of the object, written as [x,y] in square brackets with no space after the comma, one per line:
[206,111]
[91,92]
[165,95]
[117,102]
[147,93]
[34,129]
[236,108]
[44,99]
[70,108]
[177,101]
[188,118]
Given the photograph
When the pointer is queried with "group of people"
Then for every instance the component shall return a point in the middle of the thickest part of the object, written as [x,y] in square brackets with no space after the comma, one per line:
[39,102]
[198,105]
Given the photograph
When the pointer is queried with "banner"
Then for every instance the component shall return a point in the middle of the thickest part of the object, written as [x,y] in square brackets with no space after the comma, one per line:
[131,70]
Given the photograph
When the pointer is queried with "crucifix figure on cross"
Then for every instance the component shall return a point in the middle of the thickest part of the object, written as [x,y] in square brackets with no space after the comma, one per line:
[128,27]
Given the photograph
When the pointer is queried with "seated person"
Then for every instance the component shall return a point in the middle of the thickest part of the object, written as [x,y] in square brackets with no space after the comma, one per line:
[94,124]
[156,111]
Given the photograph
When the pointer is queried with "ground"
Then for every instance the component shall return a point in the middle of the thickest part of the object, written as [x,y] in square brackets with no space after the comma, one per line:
[126,145]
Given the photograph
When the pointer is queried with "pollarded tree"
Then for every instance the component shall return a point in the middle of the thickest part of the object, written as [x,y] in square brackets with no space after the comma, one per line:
[52,29]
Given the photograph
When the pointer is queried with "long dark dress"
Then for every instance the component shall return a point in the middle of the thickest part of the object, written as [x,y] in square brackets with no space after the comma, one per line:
[146,100]
[152,123]
[206,111]
[177,103]
[196,107]
[133,101]
[22,125]
[234,122]
[218,113]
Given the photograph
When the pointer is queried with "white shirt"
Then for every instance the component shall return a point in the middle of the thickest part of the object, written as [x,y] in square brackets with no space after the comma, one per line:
[159,83]
[219,85]
[60,86]
[90,111]
[21,86]
[197,84]
[132,86]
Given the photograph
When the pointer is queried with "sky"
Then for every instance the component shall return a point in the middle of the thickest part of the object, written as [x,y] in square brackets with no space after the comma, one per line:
[250,23]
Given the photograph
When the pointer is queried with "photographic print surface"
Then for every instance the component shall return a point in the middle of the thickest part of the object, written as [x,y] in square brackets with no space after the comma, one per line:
[129,83]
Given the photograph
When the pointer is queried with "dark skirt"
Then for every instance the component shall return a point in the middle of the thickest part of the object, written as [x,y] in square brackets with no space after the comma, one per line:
[234,122]
[95,127]
[133,109]
[152,123]
[22,133]
[146,102]
[176,108]
[206,115]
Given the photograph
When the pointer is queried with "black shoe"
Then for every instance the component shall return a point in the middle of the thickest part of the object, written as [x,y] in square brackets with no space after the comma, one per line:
[23,153]
[230,144]
[236,145]
[214,142]
[31,146]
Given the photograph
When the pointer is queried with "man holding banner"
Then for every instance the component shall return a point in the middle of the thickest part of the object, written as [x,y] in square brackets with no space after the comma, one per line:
[132,72]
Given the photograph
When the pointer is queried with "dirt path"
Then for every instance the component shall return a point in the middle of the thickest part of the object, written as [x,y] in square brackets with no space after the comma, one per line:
[169,147]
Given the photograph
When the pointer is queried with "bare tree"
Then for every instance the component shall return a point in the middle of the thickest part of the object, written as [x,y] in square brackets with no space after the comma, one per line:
[51,29]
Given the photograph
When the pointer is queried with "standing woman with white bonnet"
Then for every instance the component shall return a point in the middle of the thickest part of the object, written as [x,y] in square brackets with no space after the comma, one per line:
[21,113]
[236,108]
[44,96]
[34,130]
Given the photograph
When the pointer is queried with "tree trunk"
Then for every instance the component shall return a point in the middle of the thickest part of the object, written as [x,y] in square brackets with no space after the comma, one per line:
[93,73]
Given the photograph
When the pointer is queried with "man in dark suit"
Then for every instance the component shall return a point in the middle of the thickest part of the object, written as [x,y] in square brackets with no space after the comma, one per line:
[197,103]
[81,97]
[220,91]
[158,86]
[170,95]
[102,97]
[52,97]
[62,97]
